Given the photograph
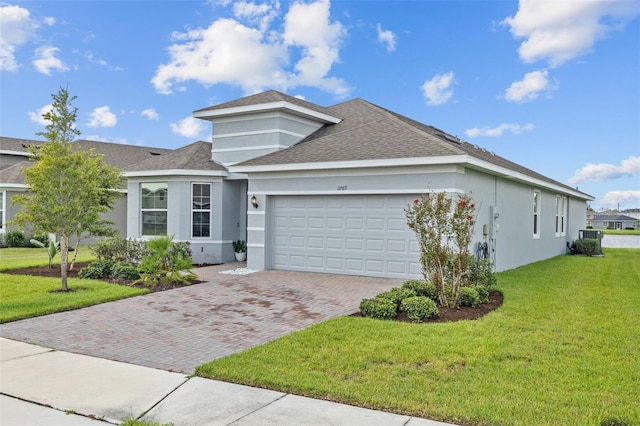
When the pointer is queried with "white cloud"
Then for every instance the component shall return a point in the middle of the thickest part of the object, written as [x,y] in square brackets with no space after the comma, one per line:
[530,87]
[387,37]
[17,28]
[121,141]
[558,31]
[37,117]
[189,127]
[614,198]
[257,14]
[49,21]
[102,117]
[438,89]
[605,171]
[150,113]
[252,56]
[499,130]
[45,60]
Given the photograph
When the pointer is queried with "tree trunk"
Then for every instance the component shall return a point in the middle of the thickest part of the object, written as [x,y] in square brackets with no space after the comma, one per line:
[75,253]
[64,256]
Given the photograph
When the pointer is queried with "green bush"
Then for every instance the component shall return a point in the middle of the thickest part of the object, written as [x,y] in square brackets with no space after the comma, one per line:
[419,308]
[481,273]
[124,271]
[483,293]
[43,238]
[397,295]
[379,308]
[613,421]
[14,238]
[587,246]
[168,261]
[421,288]
[97,269]
[469,297]
[120,249]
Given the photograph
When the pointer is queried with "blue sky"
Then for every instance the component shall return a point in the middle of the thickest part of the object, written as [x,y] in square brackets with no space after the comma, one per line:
[554,86]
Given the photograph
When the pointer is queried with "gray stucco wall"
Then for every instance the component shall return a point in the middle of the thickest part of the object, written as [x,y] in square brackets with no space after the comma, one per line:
[510,234]
[228,215]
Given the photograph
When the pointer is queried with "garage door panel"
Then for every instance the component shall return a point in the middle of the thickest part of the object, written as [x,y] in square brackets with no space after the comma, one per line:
[350,234]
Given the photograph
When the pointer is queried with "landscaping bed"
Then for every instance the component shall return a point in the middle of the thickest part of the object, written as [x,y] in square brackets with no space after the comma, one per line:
[54,272]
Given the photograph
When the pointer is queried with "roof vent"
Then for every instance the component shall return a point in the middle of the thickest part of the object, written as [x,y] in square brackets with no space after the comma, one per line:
[154,153]
[448,138]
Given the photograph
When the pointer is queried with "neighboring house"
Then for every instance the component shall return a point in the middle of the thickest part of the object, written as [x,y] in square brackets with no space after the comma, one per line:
[615,221]
[324,189]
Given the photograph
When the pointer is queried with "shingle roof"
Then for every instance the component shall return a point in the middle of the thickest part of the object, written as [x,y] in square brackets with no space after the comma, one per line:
[370,132]
[120,155]
[617,217]
[13,174]
[264,98]
[15,144]
[196,156]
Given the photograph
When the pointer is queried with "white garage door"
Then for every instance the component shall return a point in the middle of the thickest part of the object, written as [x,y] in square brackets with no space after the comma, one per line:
[344,234]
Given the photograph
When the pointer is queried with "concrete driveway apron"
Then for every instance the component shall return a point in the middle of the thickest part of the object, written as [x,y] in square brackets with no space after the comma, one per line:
[177,330]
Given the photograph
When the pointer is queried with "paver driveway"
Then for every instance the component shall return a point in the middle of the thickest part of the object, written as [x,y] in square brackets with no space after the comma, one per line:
[180,329]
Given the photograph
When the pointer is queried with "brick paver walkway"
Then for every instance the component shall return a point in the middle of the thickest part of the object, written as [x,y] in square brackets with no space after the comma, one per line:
[180,329]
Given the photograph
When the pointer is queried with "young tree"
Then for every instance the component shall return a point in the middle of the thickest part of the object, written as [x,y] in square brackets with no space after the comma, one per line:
[444,229]
[69,190]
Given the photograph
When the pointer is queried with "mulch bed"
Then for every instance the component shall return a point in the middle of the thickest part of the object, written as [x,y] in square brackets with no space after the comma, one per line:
[446,314]
[459,314]
[54,272]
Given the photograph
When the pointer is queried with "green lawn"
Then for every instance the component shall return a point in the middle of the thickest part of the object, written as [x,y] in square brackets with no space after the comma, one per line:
[621,231]
[564,349]
[23,296]
[14,258]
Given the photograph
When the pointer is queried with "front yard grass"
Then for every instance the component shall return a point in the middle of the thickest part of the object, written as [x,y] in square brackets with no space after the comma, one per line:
[24,296]
[564,349]
[15,258]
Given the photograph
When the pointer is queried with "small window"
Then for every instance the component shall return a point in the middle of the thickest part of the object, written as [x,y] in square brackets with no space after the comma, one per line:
[2,211]
[154,208]
[201,210]
[536,214]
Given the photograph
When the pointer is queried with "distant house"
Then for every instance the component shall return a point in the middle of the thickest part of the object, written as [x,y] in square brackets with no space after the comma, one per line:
[323,189]
[615,221]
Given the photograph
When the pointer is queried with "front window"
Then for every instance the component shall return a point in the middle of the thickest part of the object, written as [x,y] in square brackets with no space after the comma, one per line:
[536,214]
[201,210]
[154,208]
[1,211]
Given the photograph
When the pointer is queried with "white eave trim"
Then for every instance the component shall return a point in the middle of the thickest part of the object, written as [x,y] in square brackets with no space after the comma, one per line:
[19,153]
[13,186]
[271,106]
[463,160]
[176,172]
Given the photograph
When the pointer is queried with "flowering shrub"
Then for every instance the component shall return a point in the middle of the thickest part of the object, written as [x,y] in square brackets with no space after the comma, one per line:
[444,228]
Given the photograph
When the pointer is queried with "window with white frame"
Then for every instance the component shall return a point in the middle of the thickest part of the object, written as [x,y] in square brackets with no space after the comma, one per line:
[536,214]
[200,210]
[2,211]
[154,197]
[561,215]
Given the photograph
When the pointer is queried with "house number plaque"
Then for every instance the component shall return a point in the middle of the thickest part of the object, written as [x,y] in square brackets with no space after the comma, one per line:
[342,187]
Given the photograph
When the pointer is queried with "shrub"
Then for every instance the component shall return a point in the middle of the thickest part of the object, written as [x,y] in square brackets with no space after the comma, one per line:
[120,249]
[587,246]
[613,421]
[14,238]
[419,308]
[180,248]
[481,273]
[421,288]
[98,269]
[166,262]
[125,271]
[379,308]
[469,297]
[397,295]
[483,293]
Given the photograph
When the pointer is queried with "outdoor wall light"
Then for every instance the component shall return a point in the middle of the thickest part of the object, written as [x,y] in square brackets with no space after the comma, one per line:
[254,201]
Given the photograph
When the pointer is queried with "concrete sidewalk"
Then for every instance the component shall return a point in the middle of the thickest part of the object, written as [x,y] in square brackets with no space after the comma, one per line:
[41,386]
